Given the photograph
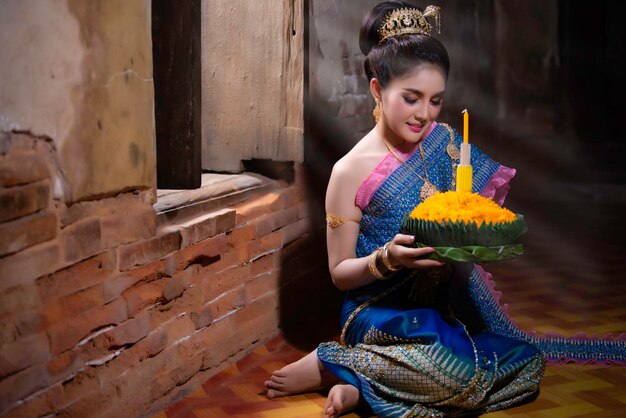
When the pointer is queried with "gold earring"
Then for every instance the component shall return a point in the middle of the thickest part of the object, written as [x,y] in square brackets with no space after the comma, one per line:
[377,112]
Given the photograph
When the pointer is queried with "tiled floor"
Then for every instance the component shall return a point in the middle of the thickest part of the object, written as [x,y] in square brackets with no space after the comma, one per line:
[570,279]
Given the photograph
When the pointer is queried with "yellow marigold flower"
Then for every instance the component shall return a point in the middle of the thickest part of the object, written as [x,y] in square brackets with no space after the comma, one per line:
[462,206]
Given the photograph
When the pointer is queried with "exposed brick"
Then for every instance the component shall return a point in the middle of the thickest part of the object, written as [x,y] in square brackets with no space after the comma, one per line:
[27,231]
[28,323]
[22,169]
[289,197]
[153,270]
[165,335]
[225,221]
[214,273]
[273,221]
[73,305]
[21,384]
[173,288]
[77,277]
[128,225]
[43,403]
[141,296]
[227,302]
[8,331]
[138,253]
[134,383]
[114,287]
[213,286]
[204,253]
[263,306]
[24,353]
[295,231]
[239,239]
[83,384]
[265,264]
[169,379]
[235,333]
[261,285]
[19,299]
[90,404]
[25,266]
[63,366]
[65,335]
[202,317]
[207,226]
[260,247]
[254,208]
[218,342]
[259,328]
[103,208]
[151,345]
[130,331]
[82,240]
[23,200]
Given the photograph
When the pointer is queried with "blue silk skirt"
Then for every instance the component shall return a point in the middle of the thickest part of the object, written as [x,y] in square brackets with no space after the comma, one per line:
[409,356]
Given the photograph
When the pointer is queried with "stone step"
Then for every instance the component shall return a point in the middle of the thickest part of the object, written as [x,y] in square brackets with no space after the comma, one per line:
[217,191]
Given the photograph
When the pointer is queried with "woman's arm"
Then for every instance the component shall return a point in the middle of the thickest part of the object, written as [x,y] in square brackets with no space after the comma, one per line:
[347,271]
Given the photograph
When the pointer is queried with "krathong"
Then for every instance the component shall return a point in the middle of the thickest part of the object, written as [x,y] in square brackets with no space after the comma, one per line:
[464,226]
[461,206]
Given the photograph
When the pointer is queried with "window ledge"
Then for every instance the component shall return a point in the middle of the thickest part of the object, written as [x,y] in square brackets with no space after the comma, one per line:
[217,191]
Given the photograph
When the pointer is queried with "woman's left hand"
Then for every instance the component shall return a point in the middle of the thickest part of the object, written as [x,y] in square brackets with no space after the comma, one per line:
[402,254]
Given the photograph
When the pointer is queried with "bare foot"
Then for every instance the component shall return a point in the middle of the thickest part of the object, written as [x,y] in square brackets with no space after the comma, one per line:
[341,398]
[306,374]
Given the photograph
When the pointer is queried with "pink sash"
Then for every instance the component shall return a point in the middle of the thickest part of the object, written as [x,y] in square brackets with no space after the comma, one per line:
[497,187]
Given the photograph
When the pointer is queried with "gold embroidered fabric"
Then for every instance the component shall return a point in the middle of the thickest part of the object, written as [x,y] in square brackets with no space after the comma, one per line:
[335,221]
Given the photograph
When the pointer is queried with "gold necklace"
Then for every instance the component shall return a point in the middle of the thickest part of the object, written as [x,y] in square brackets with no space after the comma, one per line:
[428,189]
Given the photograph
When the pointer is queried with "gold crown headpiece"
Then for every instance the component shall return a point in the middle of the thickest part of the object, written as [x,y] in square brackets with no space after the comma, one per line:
[405,20]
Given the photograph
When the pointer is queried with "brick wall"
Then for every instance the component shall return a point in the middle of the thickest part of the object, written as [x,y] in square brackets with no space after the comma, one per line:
[108,311]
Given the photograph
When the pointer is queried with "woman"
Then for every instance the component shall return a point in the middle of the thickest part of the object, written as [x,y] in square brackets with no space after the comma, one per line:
[419,338]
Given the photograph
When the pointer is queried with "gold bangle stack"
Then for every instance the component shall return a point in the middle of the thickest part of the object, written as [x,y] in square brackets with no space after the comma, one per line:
[387,268]
[385,257]
[373,267]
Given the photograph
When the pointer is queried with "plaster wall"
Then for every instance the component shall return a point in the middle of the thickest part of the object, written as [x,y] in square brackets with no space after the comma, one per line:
[80,74]
[339,88]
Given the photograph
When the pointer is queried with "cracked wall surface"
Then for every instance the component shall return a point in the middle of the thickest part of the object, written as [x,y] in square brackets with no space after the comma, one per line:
[80,73]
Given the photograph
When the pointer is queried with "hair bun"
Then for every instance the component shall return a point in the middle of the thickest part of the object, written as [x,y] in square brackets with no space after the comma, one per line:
[369,35]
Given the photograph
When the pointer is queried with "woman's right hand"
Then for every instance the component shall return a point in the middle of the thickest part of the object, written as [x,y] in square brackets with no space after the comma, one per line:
[402,253]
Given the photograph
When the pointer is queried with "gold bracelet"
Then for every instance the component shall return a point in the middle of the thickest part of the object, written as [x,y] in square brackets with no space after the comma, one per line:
[372,265]
[385,257]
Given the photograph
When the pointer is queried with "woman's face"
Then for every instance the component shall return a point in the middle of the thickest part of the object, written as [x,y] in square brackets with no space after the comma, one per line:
[410,104]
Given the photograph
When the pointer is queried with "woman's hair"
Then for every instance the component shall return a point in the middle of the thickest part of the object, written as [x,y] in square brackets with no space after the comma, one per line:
[400,54]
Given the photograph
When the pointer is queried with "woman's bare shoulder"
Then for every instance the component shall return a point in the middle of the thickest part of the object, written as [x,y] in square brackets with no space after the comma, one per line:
[350,171]
[357,163]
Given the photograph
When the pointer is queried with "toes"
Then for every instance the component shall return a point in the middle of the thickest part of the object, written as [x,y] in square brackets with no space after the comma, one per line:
[337,404]
[270,384]
[278,379]
[271,394]
[329,408]
[330,412]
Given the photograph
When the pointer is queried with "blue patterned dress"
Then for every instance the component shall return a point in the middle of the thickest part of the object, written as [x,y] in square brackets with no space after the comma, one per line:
[435,342]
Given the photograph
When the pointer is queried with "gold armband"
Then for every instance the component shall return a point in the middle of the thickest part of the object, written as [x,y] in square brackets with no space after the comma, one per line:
[334,221]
